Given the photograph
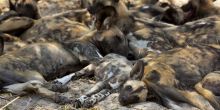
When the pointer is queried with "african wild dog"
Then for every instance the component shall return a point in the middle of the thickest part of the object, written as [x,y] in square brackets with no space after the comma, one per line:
[83,50]
[111,72]
[152,35]
[197,9]
[172,76]
[182,11]
[62,28]
[29,68]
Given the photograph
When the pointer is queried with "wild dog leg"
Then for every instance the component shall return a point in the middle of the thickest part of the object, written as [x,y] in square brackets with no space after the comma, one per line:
[58,85]
[208,95]
[97,88]
[88,70]
[209,88]
[197,100]
[37,87]
[94,95]
[85,101]
[190,97]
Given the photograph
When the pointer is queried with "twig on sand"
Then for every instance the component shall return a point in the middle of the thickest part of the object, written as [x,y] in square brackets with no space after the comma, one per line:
[9,103]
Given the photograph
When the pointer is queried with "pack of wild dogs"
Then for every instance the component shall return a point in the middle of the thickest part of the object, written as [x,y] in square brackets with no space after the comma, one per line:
[166,51]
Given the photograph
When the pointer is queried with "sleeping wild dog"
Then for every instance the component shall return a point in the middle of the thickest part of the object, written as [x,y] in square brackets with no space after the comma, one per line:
[173,77]
[111,72]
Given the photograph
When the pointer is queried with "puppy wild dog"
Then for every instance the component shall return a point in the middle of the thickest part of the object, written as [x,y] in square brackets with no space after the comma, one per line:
[111,72]
[172,77]
[123,19]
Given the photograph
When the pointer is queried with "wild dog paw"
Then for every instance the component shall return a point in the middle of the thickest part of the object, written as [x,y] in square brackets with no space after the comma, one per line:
[87,102]
[57,87]
[79,102]
[60,99]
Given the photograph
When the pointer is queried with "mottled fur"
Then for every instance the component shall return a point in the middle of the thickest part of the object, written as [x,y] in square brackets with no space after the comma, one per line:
[111,72]
[123,20]
[160,36]
[172,76]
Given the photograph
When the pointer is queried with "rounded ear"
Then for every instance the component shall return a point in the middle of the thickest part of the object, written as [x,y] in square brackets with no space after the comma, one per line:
[138,70]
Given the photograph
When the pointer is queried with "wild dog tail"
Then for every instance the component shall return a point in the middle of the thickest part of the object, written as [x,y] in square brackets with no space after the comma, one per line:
[208,95]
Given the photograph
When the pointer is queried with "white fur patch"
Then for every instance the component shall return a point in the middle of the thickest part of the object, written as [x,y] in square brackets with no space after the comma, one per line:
[145,7]
[65,79]
[141,43]
[114,85]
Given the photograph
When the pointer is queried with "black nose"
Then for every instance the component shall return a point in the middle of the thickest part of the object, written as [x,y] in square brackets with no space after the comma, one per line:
[122,100]
[130,56]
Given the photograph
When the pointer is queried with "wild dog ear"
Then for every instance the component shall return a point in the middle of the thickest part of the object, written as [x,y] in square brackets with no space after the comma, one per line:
[137,71]
[105,17]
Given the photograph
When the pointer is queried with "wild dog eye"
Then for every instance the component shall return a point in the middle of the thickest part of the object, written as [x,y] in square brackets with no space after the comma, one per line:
[163,5]
[129,88]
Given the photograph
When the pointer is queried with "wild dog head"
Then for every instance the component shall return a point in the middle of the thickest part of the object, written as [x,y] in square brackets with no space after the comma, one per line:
[121,16]
[141,86]
[113,41]
[97,5]
[134,90]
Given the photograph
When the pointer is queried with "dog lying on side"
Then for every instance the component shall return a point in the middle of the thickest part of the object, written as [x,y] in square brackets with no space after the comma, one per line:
[111,72]
[161,37]
[174,77]
[29,68]
[63,27]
